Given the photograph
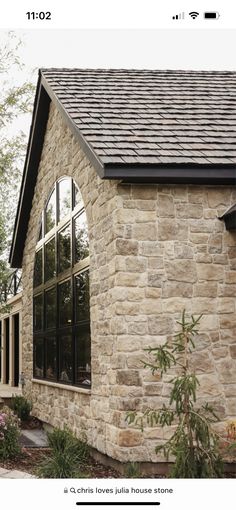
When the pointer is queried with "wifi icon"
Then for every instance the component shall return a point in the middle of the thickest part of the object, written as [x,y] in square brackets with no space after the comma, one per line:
[194,14]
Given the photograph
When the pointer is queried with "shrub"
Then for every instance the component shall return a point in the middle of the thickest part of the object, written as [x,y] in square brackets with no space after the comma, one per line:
[9,434]
[22,407]
[132,470]
[67,458]
[194,443]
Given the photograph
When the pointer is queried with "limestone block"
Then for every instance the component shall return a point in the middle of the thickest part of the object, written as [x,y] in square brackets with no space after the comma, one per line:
[176,305]
[232,350]
[227,370]
[226,305]
[153,389]
[230,277]
[126,247]
[150,248]
[215,243]
[136,264]
[151,306]
[165,206]
[126,308]
[202,305]
[137,328]
[209,385]
[206,289]
[145,232]
[218,197]
[200,361]
[128,377]
[189,211]
[156,279]
[177,289]
[171,230]
[160,325]
[144,192]
[153,292]
[130,437]
[220,352]
[155,263]
[210,272]
[227,290]
[182,271]
[183,251]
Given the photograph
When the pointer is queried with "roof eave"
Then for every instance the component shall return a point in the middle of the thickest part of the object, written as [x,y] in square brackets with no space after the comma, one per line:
[172,174]
[33,154]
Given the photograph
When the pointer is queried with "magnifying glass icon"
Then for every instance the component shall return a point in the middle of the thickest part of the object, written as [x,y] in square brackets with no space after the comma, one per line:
[72,489]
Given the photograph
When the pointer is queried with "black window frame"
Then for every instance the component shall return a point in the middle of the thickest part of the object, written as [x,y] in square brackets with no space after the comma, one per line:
[70,274]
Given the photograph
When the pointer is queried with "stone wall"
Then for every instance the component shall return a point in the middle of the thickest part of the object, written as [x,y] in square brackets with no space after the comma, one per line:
[154,250]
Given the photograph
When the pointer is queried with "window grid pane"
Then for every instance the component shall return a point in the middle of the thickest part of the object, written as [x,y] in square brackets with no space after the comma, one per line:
[61,312]
[50,260]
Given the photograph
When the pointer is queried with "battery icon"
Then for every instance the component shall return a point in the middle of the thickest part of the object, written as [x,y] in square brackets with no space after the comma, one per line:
[211,15]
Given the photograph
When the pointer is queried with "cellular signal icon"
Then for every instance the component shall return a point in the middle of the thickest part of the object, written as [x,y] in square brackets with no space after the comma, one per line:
[194,14]
[179,16]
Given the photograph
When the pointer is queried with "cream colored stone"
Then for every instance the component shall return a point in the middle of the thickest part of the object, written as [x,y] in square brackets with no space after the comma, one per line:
[189,211]
[206,289]
[210,272]
[226,305]
[130,438]
[218,197]
[182,271]
[144,243]
[177,289]
[165,206]
[169,229]
[147,232]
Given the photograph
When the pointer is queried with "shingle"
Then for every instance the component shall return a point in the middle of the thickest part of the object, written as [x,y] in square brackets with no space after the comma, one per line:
[152,117]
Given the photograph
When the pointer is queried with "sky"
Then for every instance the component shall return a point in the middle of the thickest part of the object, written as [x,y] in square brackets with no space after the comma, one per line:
[157,49]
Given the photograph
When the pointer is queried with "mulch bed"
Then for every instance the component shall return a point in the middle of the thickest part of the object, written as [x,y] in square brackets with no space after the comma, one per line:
[30,458]
[31,424]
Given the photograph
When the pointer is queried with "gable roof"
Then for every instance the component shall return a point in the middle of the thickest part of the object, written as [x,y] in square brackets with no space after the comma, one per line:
[137,126]
[151,117]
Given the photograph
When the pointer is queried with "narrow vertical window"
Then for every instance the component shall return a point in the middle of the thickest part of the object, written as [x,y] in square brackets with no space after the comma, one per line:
[62,347]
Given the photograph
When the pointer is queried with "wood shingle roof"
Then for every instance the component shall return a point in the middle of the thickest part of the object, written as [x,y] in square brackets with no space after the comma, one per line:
[151,117]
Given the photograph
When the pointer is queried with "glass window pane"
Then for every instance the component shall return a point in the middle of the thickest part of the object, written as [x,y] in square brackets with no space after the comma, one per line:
[83,357]
[51,212]
[82,296]
[64,187]
[81,237]
[65,303]
[64,249]
[78,197]
[38,268]
[40,232]
[50,308]
[38,312]
[51,357]
[65,349]
[50,266]
[38,357]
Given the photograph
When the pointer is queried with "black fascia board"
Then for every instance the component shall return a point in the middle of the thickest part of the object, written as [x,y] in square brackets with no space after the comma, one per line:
[85,146]
[172,174]
[33,155]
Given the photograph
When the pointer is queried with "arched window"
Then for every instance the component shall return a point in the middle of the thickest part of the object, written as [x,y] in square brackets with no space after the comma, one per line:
[61,290]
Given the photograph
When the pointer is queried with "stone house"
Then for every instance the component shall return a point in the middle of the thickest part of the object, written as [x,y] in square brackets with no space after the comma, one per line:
[126,216]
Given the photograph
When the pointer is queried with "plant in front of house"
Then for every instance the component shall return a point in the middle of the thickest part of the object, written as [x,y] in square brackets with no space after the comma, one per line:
[22,407]
[132,470]
[194,444]
[9,434]
[67,458]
